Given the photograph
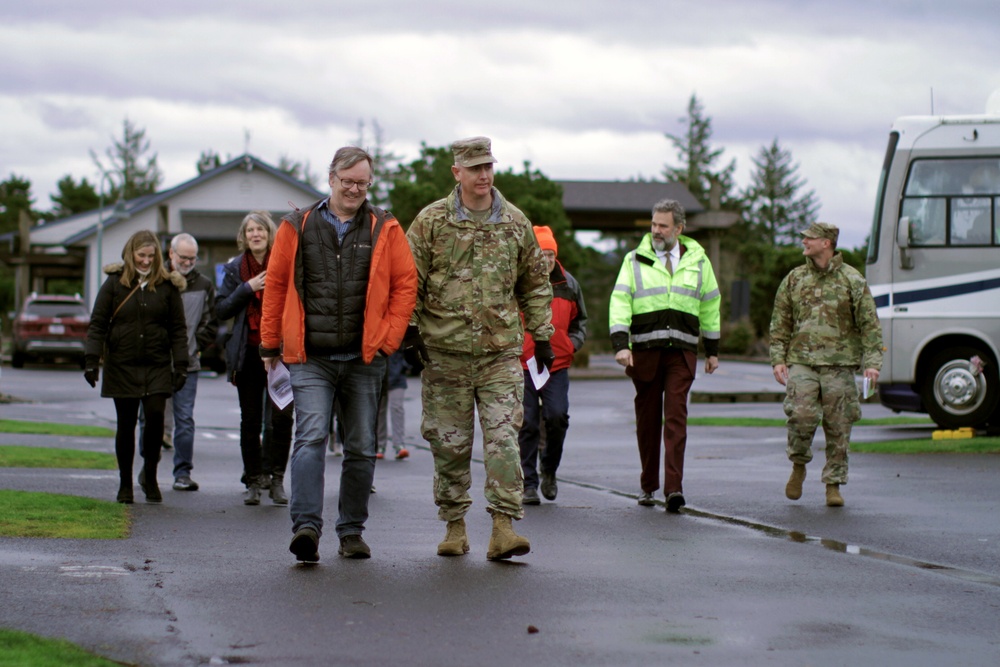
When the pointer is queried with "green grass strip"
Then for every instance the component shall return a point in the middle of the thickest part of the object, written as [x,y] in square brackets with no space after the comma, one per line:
[22,649]
[770,422]
[48,428]
[34,514]
[20,456]
[985,445]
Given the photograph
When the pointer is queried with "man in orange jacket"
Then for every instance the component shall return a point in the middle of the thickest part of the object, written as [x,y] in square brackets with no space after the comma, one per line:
[341,285]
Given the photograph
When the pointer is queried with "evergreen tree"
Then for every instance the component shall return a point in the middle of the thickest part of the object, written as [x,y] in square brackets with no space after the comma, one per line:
[73,198]
[426,179]
[698,159]
[298,170]
[15,197]
[207,161]
[776,205]
[137,175]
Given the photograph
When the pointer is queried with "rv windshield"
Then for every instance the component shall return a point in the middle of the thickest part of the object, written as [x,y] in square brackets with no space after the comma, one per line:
[873,238]
[953,202]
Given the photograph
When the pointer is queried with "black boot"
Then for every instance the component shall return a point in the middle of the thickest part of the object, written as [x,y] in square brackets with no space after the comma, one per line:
[149,486]
[125,489]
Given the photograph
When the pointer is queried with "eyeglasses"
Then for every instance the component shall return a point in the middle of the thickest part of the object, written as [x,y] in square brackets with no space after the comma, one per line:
[349,185]
[189,260]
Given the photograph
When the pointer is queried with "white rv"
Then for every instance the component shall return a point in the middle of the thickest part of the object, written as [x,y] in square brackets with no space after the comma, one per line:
[934,268]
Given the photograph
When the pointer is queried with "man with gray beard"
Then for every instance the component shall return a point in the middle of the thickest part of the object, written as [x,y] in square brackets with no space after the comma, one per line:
[664,299]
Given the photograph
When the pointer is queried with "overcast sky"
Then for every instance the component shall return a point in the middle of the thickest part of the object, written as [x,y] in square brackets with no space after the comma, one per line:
[583,89]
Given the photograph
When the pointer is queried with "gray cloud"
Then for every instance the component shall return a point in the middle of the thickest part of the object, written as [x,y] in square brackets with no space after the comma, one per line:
[583,89]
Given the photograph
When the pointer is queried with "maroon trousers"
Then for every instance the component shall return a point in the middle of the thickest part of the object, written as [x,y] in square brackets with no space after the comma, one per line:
[662,379]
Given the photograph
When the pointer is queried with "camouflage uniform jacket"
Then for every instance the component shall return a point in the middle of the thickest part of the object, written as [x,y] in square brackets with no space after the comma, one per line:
[825,318]
[474,280]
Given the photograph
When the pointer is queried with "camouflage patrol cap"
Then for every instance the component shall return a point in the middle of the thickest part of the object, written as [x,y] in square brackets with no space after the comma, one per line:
[822,230]
[472,151]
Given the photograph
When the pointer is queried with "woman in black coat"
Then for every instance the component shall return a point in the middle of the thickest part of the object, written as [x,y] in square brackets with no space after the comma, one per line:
[137,326]
[240,297]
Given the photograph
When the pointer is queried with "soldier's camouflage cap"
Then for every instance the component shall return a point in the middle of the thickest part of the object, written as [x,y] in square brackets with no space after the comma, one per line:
[822,230]
[472,151]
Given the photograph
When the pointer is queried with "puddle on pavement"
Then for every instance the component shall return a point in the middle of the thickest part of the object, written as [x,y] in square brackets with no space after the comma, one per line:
[796,536]
[843,547]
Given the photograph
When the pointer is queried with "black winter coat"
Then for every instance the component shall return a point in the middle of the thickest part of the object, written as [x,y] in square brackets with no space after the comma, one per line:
[146,342]
[232,301]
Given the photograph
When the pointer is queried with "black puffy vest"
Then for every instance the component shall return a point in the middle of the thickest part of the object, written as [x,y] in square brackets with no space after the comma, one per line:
[335,281]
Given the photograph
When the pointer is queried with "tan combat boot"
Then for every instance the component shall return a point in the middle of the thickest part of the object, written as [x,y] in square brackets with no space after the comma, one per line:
[793,490]
[504,542]
[455,543]
[833,497]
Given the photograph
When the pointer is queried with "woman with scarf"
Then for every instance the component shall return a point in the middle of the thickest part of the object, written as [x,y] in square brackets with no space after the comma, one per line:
[137,326]
[240,297]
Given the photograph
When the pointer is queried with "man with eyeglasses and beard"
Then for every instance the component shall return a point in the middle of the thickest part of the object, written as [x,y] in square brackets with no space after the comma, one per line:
[199,313]
[664,300]
[341,286]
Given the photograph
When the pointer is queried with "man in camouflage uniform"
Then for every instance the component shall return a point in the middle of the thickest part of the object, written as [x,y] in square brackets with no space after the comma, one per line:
[823,327]
[479,266]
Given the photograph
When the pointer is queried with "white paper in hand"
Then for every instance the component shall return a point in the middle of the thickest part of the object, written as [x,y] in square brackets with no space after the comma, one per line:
[279,385]
[537,379]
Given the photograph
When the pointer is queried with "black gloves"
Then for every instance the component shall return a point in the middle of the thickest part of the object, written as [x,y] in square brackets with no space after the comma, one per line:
[91,375]
[179,379]
[412,342]
[544,356]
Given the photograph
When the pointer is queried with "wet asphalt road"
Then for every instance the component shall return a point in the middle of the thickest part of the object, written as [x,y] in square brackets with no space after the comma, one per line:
[908,573]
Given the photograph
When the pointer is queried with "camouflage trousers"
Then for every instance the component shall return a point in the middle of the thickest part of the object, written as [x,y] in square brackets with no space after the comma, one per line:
[454,387]
[827,395]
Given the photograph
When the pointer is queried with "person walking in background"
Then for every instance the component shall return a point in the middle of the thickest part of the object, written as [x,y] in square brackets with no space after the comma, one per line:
[391,407]
[479,268]
[824,327]
[241,297]
[342,288]
[665,299]
[138,327]
[569,317]
[199,313]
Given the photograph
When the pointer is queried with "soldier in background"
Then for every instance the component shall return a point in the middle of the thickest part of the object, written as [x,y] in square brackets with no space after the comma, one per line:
[479,266]
[823,327]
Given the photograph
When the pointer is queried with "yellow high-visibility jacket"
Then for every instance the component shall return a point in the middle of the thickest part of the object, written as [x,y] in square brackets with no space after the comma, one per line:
[652,308]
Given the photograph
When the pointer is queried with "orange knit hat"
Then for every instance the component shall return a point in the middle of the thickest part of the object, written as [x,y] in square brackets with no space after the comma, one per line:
[546,240]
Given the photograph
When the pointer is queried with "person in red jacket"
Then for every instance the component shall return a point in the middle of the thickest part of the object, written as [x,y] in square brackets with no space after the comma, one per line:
[569,317]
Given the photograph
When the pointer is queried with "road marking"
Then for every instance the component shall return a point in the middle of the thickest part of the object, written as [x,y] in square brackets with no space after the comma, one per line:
[802,538]
[92,571]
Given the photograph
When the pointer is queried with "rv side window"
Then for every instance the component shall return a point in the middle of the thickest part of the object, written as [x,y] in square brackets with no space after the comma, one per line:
[953,202]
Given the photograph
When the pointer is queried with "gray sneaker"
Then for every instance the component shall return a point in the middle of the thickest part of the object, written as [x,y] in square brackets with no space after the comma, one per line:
[352,546]
[185,483]
[277,492]
[531,497]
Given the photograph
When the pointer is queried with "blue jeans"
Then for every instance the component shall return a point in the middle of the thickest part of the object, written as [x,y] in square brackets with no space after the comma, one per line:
[184,426]
[555,412]
[356,386]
